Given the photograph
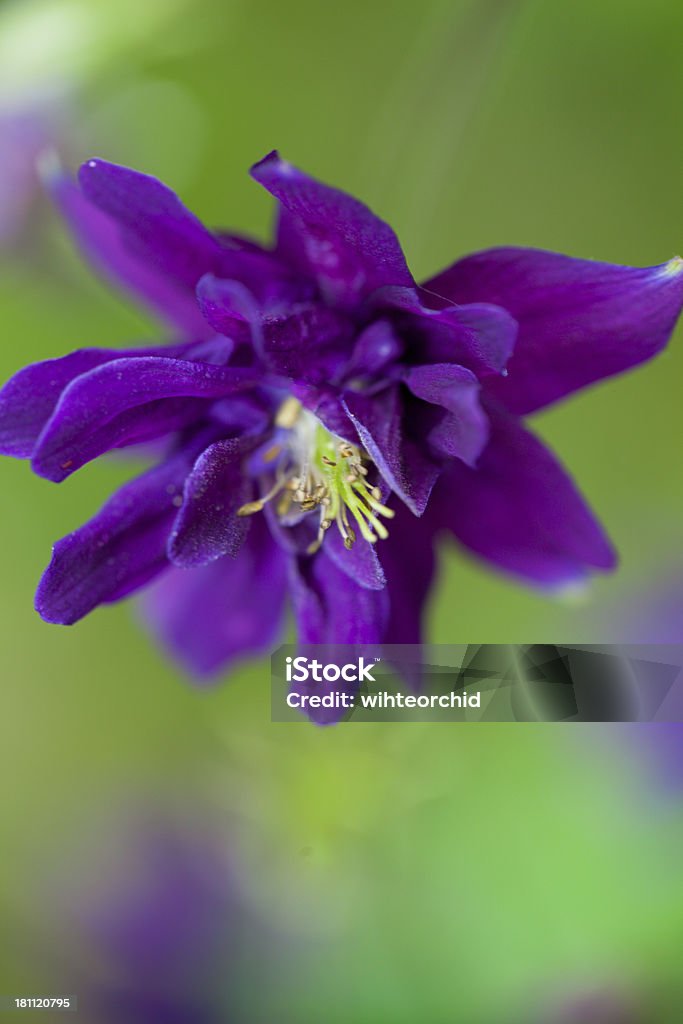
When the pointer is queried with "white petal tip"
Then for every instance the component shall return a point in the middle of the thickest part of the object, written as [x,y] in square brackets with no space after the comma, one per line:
[673,267]
[574,593]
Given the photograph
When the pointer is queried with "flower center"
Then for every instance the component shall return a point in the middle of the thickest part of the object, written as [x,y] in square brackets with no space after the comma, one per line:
[316,471]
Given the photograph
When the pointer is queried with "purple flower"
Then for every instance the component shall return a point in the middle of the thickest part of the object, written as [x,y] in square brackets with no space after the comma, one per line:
[316,401]
[24,135]
[150,922]
[599,1007]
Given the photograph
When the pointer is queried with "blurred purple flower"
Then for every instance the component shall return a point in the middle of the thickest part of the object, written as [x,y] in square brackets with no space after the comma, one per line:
[602,1007]
[316,383]
[652,613]
[153,934]
[23,137]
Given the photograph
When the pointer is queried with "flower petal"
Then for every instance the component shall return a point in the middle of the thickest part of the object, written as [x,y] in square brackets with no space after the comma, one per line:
[409,563]
[207,618]
[376,349]
[330,608]
[29,398]
[294,534]
[310,343]
[480,336]
[333,237]
[384,433]
[305,341]
[327,402]
[228,307]
[102,242]
[207,525]
[117,551]
[125,402]
[519,510]
[464,433]
[155,226]
[579,321]
[360,563]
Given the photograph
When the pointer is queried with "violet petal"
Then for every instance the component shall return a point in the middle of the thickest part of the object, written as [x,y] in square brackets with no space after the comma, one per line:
[207,525]
[155,226]
[29,398]
[464,433]
[119,549]
[99,236]
[122,403]
[233,608]
[409,471]
[342,244]
[331,609]
[579,320]
[360,563]
[520,511]
[480,336]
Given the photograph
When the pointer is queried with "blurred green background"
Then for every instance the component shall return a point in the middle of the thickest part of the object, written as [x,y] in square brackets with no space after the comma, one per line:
[475,874]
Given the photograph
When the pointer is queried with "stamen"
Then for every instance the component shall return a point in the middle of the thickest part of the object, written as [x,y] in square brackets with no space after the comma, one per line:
[272,453]
[251,507]
[318,471]
[288,413]
[258,506]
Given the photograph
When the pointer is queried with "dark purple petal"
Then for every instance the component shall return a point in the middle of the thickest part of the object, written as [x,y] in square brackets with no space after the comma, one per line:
[295,532]
[335,238]
[269,279]
[29,398]
[379,421]
[408,560]
[306,341]
[228,610]
[330,608]
[207,525]
[309,343]
[464,433]
[360,563]
[519,510]
[124,402]
[376,349]
[479,336]
[579,320]
[328,405]
[100,238]
[228,307]
[155,226]
[242,413]
[119,550]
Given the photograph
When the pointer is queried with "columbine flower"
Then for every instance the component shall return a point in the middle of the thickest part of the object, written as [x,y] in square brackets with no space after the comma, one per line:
[151,921]
[324,416]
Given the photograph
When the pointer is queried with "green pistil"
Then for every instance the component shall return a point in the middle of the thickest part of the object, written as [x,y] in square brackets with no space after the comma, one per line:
[342,466]
[321,472]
